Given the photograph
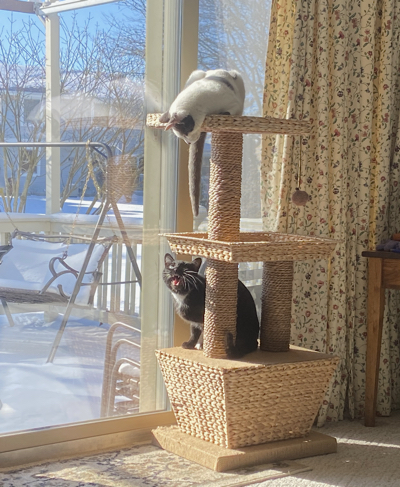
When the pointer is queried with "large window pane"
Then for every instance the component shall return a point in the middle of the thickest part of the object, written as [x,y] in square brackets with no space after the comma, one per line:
[102,86]
[233,34]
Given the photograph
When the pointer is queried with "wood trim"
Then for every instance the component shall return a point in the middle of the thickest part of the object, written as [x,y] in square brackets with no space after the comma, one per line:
[375,308]
[380,254]
[100,427]
[97,441]
[391,274]
[184,216]
[189,48]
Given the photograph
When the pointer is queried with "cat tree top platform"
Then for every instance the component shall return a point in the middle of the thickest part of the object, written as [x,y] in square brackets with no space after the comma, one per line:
[244,124]
[253,247]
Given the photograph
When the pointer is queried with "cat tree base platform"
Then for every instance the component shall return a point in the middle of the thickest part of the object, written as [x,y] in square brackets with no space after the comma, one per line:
[221,459]
[264,397]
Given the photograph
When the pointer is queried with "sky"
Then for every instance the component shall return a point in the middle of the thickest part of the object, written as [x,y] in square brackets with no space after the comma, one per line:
[96,13]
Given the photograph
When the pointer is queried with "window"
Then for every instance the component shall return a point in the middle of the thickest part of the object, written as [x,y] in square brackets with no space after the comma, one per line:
[101,101]
[233,35]
[31,106]
[118,62]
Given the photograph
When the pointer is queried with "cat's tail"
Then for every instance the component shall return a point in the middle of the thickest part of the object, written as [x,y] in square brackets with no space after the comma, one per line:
[195,161]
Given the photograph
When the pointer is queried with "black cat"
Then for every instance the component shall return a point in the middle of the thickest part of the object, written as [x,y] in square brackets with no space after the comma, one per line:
[188,289]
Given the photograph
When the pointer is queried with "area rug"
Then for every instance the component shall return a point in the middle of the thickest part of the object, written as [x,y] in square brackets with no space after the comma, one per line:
[142,466]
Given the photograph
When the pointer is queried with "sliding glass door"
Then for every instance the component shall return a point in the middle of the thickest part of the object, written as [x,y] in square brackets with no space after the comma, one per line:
[117,61]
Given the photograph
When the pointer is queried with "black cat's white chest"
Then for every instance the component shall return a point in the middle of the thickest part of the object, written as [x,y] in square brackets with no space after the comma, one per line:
[179,299]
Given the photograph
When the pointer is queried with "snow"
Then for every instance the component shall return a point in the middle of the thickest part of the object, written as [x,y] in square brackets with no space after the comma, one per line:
[35,394]
[132,211]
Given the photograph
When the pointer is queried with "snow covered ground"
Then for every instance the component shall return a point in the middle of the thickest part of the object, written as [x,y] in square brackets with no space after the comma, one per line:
[133,208]
[36,394]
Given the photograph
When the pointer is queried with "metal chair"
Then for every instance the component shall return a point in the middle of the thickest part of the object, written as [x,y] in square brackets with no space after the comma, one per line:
[45,269]
[121,375]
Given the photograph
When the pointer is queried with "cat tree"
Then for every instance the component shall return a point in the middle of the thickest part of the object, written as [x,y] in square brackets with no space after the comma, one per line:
[266,403]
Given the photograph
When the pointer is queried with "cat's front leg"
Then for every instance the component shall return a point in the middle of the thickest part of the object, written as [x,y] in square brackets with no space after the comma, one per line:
[200,341]
[195,332]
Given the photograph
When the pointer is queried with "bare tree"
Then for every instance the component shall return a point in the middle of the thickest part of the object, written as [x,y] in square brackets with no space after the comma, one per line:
[234,35]
[128,35]
[104,100]
[101,100]
[21,75]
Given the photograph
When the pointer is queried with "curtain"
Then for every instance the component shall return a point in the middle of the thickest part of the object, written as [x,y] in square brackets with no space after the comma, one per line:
[337,64]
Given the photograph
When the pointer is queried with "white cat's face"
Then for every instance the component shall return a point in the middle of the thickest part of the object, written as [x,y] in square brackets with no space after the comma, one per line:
[191,137]
[182,124]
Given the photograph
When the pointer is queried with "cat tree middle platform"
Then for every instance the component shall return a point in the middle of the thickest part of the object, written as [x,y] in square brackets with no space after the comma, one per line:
[272,395]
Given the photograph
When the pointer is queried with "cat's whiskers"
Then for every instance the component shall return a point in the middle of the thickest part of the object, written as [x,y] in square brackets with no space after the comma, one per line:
[190,276]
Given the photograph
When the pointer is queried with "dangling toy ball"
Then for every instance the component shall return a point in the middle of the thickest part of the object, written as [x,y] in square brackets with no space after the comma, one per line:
[300,198]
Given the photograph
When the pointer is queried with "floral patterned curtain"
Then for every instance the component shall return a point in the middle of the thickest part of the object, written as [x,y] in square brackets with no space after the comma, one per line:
[337,64]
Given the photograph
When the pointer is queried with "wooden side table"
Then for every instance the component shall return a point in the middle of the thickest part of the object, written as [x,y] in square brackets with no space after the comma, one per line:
[383,273]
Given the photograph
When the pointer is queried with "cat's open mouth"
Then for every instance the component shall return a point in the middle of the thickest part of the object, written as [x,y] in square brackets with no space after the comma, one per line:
[175,280]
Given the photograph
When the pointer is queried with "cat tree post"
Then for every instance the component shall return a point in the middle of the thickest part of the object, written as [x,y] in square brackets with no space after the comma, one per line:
[223,224]
[276,306]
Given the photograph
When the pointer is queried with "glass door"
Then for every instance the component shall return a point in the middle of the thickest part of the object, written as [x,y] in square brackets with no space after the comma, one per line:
[112,71]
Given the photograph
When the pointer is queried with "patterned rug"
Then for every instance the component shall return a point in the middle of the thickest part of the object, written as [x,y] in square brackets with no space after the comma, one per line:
[142,466]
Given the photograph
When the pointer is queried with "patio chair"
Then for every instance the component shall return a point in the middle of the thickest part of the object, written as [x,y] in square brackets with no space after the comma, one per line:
[121,377]
[38,268]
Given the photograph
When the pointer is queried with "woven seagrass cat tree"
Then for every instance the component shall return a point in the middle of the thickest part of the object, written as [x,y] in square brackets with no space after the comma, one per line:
[271,397]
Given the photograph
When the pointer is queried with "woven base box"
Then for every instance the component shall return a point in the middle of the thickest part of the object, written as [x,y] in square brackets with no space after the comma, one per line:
[265,397]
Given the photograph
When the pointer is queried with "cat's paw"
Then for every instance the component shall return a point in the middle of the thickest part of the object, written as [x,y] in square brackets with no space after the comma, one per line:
[188,345]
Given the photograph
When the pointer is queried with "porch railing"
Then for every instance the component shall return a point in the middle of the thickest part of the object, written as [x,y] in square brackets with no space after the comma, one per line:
[122,299]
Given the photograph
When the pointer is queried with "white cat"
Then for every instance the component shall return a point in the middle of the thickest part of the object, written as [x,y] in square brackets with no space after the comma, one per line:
[206,93]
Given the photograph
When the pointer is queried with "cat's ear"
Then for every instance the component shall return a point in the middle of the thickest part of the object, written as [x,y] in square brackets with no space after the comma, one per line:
[233,73]
[168,259]
[197,263]
[164,118]
[170,120]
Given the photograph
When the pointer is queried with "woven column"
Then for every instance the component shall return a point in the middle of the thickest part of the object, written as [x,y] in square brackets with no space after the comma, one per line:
[223,224]
[276,306]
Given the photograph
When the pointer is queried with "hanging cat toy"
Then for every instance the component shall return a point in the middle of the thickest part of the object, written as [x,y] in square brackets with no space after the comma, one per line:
[299,197]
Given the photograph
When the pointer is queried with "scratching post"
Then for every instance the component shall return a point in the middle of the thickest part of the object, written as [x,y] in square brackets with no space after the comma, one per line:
[225,186]
[273,394]
[220,314]
[276,306]
[224,224]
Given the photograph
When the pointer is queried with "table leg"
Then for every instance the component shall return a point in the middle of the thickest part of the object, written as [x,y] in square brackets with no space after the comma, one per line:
[375,308]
